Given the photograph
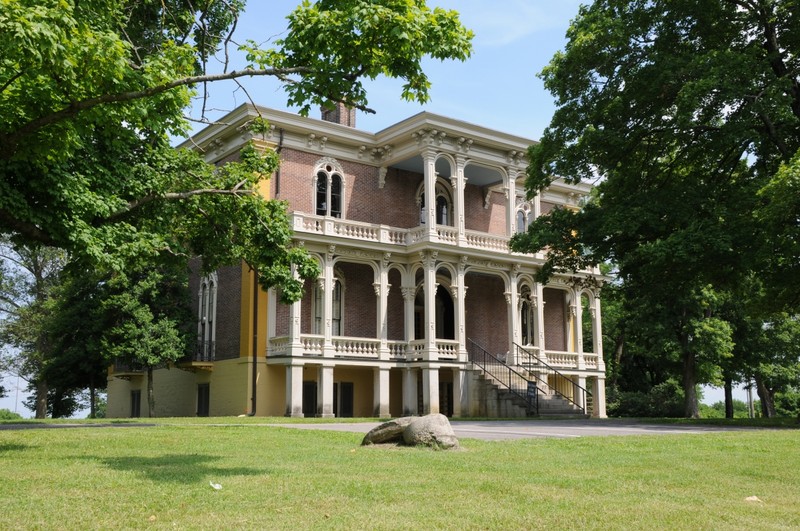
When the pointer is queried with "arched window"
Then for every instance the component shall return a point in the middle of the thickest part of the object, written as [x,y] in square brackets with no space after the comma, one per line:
[443,205]
[524,216]
[329,188]
[206,314]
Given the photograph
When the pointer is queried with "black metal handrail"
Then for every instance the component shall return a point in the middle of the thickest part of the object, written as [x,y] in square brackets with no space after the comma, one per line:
[530,361]
[204,352]
[525,388]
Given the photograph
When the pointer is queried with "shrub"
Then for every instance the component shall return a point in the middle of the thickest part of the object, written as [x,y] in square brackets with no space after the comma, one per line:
[7,414]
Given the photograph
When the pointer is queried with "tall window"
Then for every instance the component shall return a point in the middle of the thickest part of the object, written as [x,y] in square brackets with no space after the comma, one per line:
[206,331]
[443,205]
[329,189]
[526,318]
[319,305]
[524,217]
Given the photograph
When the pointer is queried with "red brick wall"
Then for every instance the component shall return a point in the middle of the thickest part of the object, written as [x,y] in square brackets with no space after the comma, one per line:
[487,312]
[492,219]
[228,318]
[361,304]
[229,303]
[394,204]
[555,337]
[395,310]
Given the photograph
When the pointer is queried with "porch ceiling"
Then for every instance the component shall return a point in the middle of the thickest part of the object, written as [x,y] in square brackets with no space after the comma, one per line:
[476,175]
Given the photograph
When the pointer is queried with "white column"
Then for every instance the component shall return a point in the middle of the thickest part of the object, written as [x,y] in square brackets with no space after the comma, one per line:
[429,172]
[580,397]
[410,392]
[578,318]
[294,391]
[381,392]
[599,398]
[409,294]
[430,390]
[382,292]
[512,300]
[511,200]
[459,184]
[597,334]
[460,296]
[538,338]
[327,296]
[325,392]
[429,262]
[272,308]
[295,313]
[460,393]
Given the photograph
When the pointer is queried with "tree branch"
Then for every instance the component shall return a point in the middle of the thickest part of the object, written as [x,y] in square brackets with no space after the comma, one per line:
[78,106]
[175,196]
[24,228]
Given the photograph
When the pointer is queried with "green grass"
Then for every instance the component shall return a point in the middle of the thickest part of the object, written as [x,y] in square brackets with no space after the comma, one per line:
[158,477]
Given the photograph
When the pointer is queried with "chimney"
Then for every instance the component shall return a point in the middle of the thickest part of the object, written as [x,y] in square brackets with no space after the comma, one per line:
[340,114]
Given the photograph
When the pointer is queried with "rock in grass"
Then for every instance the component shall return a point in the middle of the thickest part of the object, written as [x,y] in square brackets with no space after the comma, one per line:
[433,431]
[387,433]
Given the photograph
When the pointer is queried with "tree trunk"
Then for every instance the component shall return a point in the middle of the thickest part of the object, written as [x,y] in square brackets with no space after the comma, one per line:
[728,398]
[619,348]
[767,398]
[92,401]
[151,400]
[691,409]
[41,399]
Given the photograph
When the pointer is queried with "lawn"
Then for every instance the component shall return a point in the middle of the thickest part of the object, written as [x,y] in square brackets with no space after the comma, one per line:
[134,476]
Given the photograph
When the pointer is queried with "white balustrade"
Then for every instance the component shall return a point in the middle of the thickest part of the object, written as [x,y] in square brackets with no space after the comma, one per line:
[354,347]
[312,344]
[358,230]
[562,359]
[447,349]
[278,346]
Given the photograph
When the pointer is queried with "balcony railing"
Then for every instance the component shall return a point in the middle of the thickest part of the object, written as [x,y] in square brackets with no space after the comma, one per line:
[360,347]
[385,234]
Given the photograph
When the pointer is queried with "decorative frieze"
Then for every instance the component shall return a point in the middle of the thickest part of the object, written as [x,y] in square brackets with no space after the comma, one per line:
[463,144]
[381,153]
[429,137]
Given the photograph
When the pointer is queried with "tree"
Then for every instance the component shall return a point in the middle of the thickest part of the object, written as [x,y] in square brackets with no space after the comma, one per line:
[147,321]
[90,91]
[681,112]
[28,275]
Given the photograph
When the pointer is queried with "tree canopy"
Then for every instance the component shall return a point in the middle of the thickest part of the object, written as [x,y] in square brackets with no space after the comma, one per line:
[90,92]
[686,114]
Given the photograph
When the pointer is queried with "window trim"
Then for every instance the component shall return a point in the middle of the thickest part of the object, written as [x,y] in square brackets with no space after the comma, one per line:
[328,175]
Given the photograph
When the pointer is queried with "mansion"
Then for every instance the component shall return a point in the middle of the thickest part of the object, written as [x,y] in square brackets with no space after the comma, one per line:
[420,306]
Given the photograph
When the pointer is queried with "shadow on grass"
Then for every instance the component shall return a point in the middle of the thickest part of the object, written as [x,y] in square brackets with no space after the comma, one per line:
[177,468]
[12,447]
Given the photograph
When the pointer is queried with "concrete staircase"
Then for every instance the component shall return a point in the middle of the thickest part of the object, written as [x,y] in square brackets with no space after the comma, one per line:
[496,401]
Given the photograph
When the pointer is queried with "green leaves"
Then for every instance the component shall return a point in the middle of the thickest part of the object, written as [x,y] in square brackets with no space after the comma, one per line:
[343,41]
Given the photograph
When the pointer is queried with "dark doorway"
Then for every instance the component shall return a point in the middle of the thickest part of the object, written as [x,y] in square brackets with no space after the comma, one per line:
[446,398]
[203,399]
[343,399]
[445,316]
[309,399]
[136,403]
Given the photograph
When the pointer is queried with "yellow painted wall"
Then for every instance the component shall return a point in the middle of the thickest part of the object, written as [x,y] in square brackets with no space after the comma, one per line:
[363,388]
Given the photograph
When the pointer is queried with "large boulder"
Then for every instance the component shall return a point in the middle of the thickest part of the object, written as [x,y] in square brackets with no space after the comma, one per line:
[433,430]
[390,432]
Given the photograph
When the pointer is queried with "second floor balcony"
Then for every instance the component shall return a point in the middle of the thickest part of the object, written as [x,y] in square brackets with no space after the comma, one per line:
[309,224]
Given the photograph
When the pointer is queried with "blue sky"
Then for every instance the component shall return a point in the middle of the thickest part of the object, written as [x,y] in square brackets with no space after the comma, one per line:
[497,87]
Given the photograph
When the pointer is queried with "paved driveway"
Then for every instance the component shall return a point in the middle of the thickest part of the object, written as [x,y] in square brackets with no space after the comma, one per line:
[524,429]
